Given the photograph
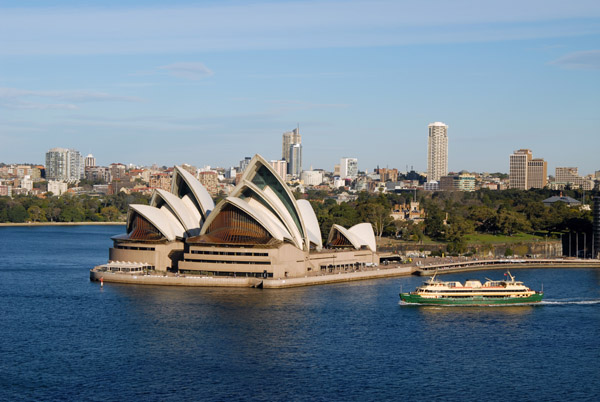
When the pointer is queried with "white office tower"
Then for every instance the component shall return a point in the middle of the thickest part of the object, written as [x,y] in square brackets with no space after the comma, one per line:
[90,161]
[437,151]
[64,164]
[295,162]
[348,168]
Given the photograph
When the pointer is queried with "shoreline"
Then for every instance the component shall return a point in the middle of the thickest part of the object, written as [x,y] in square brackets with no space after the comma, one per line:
[12,224]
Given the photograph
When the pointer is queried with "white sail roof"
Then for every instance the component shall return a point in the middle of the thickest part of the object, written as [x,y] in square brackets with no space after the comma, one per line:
[202,196]
[276,230]
[162,219]
[358,235]
[364,232]
[311,223]
[274,203]
[179,208]
[260,173]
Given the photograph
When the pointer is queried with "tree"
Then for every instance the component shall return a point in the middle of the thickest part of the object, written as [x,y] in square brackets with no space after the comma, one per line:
[110,214]
[378,215]
[17,213]
[483,218]
[434,222]
[510,222]
[36,214]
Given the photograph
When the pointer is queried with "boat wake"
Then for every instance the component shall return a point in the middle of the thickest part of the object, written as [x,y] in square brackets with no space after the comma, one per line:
[561,302]
[558,302]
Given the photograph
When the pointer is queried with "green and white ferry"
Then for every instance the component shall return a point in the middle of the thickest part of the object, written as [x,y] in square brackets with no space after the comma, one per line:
[508,291]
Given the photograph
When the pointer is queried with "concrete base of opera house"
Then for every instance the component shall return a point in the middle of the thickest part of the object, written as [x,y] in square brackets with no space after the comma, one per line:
[249,282]
[383,271]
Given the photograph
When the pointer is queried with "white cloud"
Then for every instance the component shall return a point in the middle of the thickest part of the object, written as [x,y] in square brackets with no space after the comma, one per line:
[585,60]
[190,70]
[287,25]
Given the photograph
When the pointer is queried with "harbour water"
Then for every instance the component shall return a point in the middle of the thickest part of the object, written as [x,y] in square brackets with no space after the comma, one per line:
[63,337]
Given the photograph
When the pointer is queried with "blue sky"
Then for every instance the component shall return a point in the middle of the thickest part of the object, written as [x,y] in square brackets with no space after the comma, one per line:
[209,82]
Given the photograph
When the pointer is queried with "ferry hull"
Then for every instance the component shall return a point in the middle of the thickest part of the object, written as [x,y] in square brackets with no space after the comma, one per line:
[470,301]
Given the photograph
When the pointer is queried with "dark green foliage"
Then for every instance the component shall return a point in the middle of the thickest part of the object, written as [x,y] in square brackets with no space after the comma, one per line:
[68,208]
[450,215]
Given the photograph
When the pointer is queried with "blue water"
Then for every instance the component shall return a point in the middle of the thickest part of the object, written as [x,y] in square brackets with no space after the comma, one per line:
[65,338]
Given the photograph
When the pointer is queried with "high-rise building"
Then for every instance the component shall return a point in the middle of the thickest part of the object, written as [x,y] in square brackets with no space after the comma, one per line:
[289,138]
[90,161]
[526,172]
[569,176]
[537,173]
[281,167]
[437,151]
[64,164]
[295,162]
[292,144]
[518,169]
[244,164]
[348,168]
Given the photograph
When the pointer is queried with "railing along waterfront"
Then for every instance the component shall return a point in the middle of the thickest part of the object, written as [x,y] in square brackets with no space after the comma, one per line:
[486,264]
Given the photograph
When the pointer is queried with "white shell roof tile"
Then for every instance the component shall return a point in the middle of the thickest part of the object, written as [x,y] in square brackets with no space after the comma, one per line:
[204,199]
[163,220]
[182,210]
[311,223]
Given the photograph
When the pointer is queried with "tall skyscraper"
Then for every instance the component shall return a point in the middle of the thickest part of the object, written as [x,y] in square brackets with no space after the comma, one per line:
[348,168]
[518,169]
[537,173]
[437,151]
[292,144]
[64,164]
[289,138]
[295,162]
[526,172]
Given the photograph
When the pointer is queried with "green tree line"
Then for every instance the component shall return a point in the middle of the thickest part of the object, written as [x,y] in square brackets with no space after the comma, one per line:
[450,216]
[68,208]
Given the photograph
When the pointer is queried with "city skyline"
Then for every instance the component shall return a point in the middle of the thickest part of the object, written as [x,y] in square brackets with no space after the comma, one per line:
[213,83]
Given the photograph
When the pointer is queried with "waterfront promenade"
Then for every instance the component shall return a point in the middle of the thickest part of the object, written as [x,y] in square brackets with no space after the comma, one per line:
[423,266]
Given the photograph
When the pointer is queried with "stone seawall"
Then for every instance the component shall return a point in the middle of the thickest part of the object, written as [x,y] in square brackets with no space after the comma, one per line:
[214,281]
[336,277]
[172,280]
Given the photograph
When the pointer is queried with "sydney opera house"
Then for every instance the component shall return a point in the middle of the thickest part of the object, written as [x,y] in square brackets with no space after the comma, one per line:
[260,230]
